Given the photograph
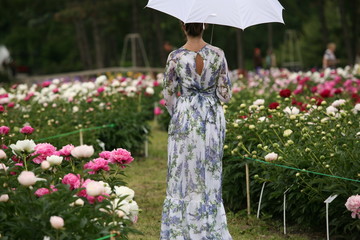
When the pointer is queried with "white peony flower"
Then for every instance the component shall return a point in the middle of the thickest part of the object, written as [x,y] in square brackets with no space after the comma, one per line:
[57,222]
[83,151]
[45,165]
[291,111]
[3,167]
[2,154]
[106,187]
[149,90]
[356,109]
[4,198]
[338,103]
[27,146]
[27,178]
[95,188]
[79,202]
[100,80]
[124,191]
[331,110]
[54,160]
[271,157]
[259,102]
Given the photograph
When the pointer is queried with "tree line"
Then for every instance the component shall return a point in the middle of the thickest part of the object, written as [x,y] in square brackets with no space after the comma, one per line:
[68,35]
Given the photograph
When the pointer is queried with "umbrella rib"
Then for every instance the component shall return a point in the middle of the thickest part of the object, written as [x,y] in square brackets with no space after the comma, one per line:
[189,12]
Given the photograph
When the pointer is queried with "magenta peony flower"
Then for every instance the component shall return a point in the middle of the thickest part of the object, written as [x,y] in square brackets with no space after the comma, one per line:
[4,130]
[156,83]
[66,150]
[11,105]
[27,130]
[162,102]
[2,109]
[56,90]
[46,84]
[97,165]
[121,156]
[353,204]
[73,180]
[105,154]
[43,191]
[29,96]
[45,150]
[157,111]
[100,89]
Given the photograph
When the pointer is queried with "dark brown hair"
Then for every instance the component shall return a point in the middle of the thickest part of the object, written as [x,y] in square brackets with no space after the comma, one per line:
[194,29]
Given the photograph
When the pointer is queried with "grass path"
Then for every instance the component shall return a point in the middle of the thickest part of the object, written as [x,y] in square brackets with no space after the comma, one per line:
[148,178]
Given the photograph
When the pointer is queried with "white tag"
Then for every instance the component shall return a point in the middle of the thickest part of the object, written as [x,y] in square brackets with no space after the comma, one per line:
[331,198]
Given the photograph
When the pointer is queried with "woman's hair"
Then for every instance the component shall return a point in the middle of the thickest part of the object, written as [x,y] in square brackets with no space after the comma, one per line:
[194,29]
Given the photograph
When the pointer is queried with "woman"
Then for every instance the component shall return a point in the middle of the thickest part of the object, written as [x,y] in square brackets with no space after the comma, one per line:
[193,208]
[329,58]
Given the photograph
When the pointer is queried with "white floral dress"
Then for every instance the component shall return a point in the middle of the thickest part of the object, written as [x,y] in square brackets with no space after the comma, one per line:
[193,208]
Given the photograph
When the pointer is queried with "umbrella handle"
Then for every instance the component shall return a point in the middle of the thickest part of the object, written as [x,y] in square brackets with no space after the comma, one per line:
[212,33]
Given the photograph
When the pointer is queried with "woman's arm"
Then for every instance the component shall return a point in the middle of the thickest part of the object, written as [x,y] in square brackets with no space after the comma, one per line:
[170,84]
[223,88]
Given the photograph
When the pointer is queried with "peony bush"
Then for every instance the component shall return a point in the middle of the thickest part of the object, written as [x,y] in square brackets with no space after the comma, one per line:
[69,193]
[308,121]
[60,106]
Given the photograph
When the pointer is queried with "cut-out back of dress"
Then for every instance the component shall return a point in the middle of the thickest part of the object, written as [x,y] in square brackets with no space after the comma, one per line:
[199,64]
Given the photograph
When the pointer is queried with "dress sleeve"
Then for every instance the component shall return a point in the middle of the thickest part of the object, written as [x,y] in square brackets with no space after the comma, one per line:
[223,88]
[170,85]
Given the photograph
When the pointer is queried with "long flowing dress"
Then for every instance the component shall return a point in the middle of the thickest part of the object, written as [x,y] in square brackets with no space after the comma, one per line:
[193,208]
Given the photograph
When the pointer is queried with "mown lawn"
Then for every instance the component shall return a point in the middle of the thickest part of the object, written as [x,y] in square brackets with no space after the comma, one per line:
[148,178]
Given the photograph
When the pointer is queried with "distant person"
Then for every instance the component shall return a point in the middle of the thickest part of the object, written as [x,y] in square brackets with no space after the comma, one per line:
[329,58]
[258,61]
[270,59]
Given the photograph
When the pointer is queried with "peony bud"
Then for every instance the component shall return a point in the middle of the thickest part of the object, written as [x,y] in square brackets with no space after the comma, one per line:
[45,165]
[79,202]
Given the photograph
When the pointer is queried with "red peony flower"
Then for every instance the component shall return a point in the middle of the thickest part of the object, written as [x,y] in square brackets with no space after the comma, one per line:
[273,105]
[285,93]
[325,93]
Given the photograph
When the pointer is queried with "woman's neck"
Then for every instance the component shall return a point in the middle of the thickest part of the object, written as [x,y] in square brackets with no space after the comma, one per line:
[194,43]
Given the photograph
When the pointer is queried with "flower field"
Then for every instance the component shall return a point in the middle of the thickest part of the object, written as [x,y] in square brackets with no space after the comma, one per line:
[308,122]
[296,130]
[63,185]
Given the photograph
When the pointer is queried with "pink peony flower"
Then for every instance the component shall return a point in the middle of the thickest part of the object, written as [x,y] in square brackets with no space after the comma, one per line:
[97,165]
[105,154]
[121,156]
[57,222]
[27,130]
[2,109]
[2,154]
[29,96]
[353,204]
[45,150]
[46,84]
[43,191]
[157,111]
[162,102]
[66,150]
[56,90]
[4,130]
[73,180]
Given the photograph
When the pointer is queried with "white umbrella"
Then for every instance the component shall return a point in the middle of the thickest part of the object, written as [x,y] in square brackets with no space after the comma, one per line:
[235,13]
